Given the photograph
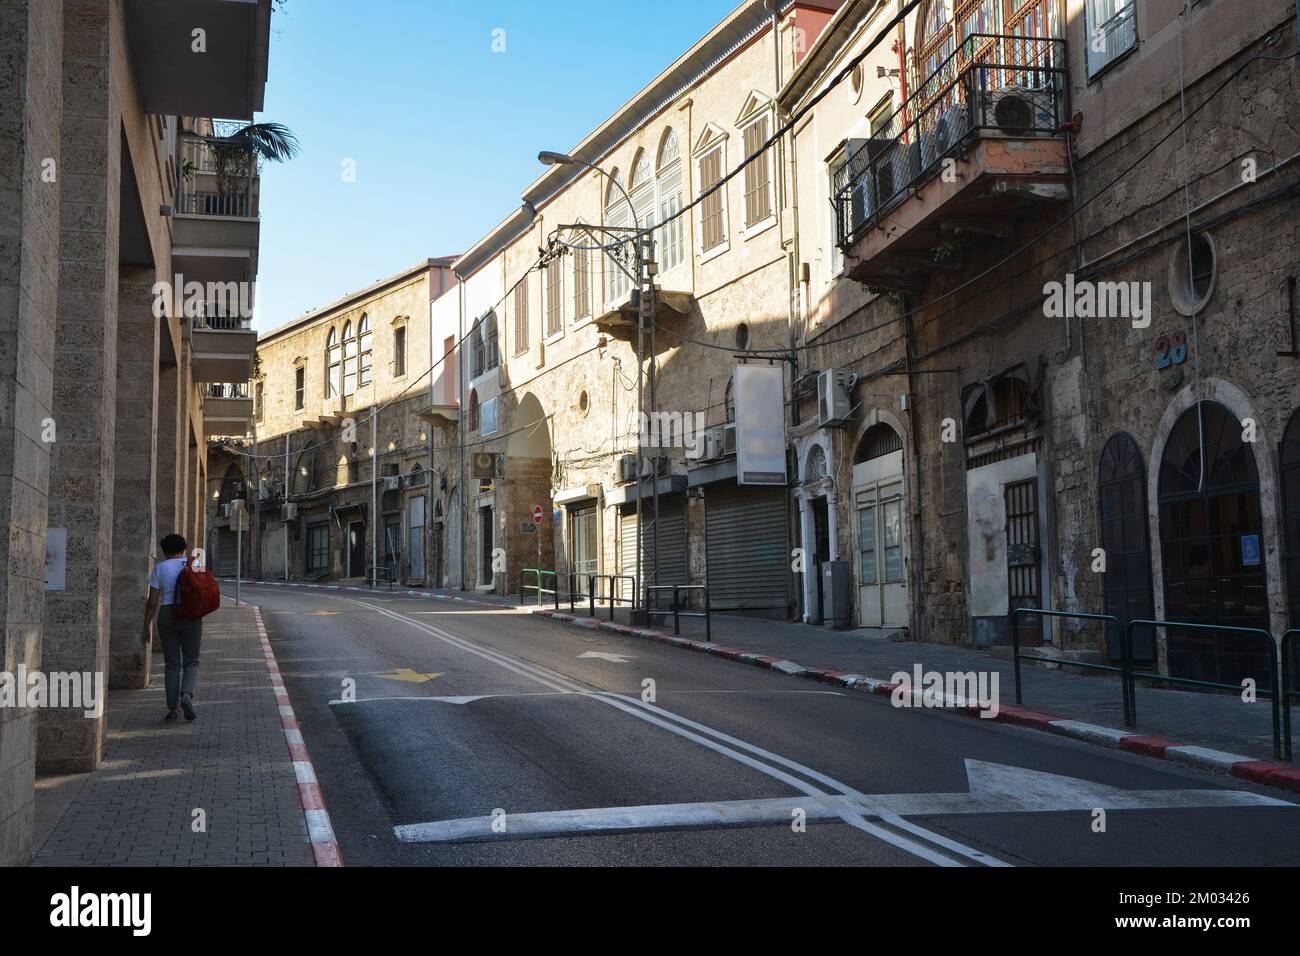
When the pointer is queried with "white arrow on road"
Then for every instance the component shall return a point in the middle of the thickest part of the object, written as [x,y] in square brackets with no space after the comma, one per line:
[993,788]
[612,658]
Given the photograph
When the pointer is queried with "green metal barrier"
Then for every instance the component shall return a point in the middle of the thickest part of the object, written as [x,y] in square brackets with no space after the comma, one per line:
[1125,668]
[1289,692]
[540,573]
[1273,693]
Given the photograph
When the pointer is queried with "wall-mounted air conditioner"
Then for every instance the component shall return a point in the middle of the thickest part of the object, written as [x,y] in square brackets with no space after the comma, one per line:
[1018,110]
[834,407]
[392,483]
[728,440]
[290,511]
[627,469]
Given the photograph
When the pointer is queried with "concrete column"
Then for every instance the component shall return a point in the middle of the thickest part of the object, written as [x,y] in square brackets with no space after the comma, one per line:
[31,110]
[169,463]
[832,521]
[85,366]
[134,535]
[808,541]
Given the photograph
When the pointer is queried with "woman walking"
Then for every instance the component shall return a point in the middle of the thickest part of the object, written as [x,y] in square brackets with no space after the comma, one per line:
[180,636]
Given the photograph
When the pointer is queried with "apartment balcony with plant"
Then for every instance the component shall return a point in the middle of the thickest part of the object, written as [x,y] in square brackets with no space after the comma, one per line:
[227,409]
[979,141]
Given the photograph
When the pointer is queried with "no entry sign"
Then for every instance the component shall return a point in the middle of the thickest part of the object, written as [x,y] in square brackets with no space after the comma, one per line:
[537,516]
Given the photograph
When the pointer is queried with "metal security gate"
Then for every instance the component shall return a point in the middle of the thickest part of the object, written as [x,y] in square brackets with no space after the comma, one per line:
[1022,557]
[227,545]
[746,545]
[673,565]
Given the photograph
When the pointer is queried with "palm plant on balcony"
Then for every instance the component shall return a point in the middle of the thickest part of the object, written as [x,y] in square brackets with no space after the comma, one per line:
[233,154]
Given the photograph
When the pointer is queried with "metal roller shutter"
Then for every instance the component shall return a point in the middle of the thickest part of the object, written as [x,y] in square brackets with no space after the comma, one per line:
[672,540]
[745,534]
[227,544]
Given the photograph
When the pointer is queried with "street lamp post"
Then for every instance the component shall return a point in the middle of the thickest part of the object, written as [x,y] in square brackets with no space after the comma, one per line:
[643,252]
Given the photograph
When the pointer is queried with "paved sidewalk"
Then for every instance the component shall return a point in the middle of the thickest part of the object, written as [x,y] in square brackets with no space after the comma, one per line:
[233,763]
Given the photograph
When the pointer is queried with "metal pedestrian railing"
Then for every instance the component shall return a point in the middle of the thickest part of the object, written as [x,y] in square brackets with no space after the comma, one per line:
[677,611]
[1290,678]
[612,595]
[539,574]
[1273,689]
[1125,668]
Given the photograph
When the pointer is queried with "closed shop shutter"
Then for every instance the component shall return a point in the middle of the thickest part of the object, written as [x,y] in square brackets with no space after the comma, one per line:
[672,540]
[745,535]
[227,544]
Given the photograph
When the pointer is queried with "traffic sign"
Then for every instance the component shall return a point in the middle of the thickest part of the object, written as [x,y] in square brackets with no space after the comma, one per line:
[537,515]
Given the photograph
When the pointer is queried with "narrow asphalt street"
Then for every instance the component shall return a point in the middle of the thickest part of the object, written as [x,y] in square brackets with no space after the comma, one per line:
[450,734]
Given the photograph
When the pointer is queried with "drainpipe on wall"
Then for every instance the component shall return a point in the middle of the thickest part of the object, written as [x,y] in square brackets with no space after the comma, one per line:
[458,351]
[918,525]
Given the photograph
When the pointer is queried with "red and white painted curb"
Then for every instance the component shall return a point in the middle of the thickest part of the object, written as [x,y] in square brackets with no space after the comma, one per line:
[1265,772]
[320,832]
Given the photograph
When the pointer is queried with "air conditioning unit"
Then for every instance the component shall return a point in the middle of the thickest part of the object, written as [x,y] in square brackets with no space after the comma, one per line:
[392,483]
[952,127]
[834,406]
[710,445]
[485,464]
[627,469]
[728,440]
[290,511]
[225,509]
[1017,110]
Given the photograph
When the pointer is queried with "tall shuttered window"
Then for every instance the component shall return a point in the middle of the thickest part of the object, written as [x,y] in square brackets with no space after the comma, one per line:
[554,297]
[582,279]
[521,317]
[712,221]
[758,173]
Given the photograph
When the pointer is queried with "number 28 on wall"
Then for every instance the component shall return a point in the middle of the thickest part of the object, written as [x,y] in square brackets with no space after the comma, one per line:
[1171,349]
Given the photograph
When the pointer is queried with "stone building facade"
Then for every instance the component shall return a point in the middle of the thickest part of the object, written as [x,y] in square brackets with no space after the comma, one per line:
[556,393]
[1044,456]
[101,400]
[328,388]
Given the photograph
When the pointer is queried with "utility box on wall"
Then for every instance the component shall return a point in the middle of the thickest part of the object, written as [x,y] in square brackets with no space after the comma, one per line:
[835,595]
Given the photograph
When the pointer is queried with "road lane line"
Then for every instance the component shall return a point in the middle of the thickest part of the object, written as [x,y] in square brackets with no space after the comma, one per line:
[562,684]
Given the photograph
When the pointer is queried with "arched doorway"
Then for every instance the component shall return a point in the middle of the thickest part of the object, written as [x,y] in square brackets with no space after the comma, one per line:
[1211,541]
[879,507]
[1122,503]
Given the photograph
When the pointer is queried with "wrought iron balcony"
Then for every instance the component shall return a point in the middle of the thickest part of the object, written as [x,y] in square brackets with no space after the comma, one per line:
[217,179]
[992,85]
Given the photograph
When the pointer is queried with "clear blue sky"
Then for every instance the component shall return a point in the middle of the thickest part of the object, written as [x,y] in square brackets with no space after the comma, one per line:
[444,131]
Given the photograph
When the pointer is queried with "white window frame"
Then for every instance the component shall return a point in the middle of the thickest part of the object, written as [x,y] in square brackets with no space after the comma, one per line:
[749,231]
[675,166]
[720,147]
[1098,63]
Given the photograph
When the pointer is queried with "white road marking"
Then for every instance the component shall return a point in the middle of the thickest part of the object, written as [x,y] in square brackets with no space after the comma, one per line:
[612,658]
[470,698]
[994,788]
[559,683]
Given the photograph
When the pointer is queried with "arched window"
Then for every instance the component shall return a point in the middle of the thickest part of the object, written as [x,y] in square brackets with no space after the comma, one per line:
[642,188]
[1122,500]
[1211,545]
[304,473]
[472,419]
[877,441]
[232,485]
[367,346]
[815,469]
[669,187]
[1289,465]
[617,213]
[333,365]
[349,359]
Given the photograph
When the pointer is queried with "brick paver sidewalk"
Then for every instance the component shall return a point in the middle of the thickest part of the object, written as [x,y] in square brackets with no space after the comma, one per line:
[232,763]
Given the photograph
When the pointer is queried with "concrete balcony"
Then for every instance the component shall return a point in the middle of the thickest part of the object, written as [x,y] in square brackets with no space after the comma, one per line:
[979,146]
[618,318]
[227,79]
[222,350]
[216,229]
[227,410]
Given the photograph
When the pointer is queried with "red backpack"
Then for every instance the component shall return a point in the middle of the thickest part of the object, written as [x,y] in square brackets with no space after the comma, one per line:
[197,591]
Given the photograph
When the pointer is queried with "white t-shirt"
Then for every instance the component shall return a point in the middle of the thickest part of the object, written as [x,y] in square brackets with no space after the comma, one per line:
[164,576]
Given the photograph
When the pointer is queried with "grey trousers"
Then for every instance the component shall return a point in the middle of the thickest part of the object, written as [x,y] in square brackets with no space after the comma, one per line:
[180,641]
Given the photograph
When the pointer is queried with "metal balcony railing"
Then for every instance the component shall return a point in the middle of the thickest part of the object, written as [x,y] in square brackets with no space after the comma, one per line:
[1013,85]
[216,179]
[1115,37]
[226,390]
[220,319]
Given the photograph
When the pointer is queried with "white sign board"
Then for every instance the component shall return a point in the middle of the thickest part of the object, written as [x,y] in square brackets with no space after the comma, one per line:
[758,392]
[56,559]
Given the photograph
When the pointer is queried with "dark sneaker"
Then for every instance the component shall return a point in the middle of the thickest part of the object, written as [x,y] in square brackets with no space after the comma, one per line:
[187,705]
[172,715]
